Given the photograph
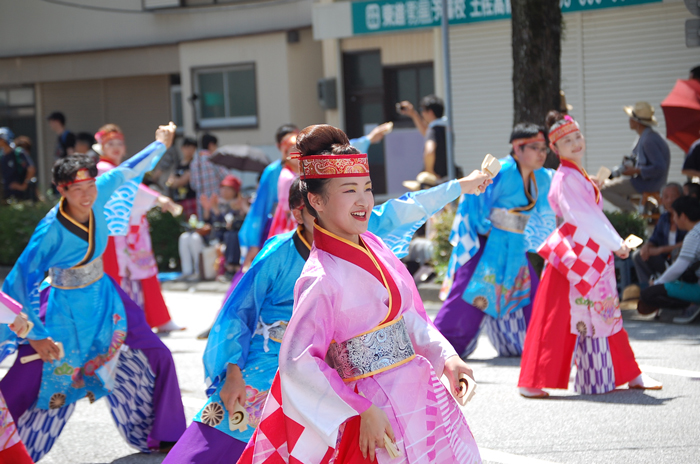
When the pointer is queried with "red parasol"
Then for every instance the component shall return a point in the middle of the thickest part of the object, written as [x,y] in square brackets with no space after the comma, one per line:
[682,112]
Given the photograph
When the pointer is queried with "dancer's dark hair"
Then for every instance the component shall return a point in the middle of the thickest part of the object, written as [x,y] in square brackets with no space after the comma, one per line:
[283,130]
[689,206]
[321,139]
[65,169]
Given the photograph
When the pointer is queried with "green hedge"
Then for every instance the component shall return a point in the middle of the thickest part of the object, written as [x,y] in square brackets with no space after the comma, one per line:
[442,250]
[18,221]
[627,223]
[165,231]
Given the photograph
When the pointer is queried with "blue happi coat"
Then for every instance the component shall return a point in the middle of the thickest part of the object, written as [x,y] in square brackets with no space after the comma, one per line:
[90,320]
[501,282]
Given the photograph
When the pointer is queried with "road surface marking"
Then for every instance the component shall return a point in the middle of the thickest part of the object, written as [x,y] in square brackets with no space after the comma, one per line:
[670,371]
[508,458]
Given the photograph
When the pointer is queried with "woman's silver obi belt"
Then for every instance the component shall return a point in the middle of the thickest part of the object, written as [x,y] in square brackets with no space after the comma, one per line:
[370,353]
[77,277]
[509,221]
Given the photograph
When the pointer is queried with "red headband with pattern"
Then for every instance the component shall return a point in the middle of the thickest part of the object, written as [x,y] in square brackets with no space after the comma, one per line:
[328,166]
[558,132]
[82,175]
[104,137]
[537,138]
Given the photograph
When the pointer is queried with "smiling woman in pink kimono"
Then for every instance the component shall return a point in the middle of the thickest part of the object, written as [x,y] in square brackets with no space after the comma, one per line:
[360,357]
[576,314]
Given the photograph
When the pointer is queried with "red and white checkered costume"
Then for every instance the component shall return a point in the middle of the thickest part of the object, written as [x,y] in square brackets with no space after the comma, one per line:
[576,255]
[281,439]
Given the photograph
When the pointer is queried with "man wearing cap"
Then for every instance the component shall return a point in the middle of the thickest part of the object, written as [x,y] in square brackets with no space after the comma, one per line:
[17,167]
[651,156]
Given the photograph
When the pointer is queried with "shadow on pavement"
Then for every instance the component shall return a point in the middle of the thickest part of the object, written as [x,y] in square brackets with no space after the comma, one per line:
[621,396]
[140,458]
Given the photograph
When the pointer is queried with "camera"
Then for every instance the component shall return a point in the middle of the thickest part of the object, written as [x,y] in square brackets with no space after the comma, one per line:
[628,161]
[400,107]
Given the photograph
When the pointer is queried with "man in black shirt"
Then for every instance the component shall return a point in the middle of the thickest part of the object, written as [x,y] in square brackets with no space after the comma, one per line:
[65,145]
[432,124]
[17,167]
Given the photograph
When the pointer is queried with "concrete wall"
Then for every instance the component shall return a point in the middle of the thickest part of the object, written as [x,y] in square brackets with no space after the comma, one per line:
[305,68]
[269,53]
[137,104]
[35,27]
[90,65]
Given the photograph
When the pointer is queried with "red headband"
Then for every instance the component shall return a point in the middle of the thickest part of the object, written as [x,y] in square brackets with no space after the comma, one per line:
[538,138]
[82,175]
[569,126]
[104,137]
[328,166]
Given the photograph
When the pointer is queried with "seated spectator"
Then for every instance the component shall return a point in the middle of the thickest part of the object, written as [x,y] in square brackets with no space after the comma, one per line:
[179,181]
[206,176]
[17,166]
[691,189]
[223,215]
[678,286]
[646,170]
[651,258]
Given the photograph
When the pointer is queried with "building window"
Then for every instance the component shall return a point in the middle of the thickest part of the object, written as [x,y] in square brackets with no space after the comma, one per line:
[226,97]
[408,82]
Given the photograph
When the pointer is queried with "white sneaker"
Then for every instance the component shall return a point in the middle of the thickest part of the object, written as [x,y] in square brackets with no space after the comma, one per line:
[644,382]
[689,315]
[169,326]
[532,392]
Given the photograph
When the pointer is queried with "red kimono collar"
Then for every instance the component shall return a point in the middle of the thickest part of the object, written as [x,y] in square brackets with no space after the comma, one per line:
[570,164]
[363,257]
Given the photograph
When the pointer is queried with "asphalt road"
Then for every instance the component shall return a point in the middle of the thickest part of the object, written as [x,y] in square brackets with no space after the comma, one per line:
[624,426]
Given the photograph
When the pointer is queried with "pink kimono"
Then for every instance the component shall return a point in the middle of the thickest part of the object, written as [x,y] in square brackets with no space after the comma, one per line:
[348,299]
[283,221]
[576,313]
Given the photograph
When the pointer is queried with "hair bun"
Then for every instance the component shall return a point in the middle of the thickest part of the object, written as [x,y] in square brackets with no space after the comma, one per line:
[321,139]
[552,118]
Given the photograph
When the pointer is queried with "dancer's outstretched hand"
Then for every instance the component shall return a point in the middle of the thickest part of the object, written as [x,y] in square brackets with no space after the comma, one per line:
[166,134]
[233,390]
[454,366]
[373,425]
[477,181]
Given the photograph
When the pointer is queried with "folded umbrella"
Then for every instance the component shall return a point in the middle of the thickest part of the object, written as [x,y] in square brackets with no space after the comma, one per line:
[240,157]
[682,113]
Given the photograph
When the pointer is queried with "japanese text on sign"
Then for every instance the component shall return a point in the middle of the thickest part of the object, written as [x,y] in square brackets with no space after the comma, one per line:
[391,15]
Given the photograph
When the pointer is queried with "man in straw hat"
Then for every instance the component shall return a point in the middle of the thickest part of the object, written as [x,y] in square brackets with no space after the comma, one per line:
[647,168]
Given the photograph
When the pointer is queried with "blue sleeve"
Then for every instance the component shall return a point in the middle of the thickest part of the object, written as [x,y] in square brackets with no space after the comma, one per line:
[397,220]
[229,340]
[542,221]
[22,283]
[116,189]
[361,143]
[471,220]
[250,234]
